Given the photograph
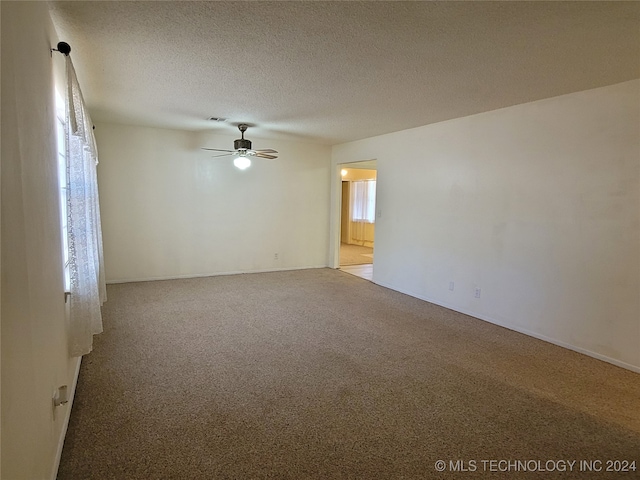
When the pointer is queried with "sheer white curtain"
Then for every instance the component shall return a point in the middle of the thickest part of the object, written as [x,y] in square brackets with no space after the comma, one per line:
[363,207]
[86,265]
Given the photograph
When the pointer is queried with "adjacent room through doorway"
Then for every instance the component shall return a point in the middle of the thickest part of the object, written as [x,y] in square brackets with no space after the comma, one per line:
[357,218]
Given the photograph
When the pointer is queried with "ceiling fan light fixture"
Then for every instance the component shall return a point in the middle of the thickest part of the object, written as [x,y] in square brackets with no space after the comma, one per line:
[242,162]
[242,150]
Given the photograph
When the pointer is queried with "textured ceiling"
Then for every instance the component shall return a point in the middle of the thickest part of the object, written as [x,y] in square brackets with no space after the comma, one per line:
[332,72]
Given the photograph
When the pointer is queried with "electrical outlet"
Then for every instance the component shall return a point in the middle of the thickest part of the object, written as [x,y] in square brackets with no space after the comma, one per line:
[275,256]
[451,286]
[61,396]
[478,291]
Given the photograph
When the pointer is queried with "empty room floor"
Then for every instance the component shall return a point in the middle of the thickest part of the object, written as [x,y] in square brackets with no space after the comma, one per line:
[316,374]
[362,271]
[355,254]
[357,260]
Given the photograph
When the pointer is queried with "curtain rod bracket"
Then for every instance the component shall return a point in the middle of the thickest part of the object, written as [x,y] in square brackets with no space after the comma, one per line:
[63,47]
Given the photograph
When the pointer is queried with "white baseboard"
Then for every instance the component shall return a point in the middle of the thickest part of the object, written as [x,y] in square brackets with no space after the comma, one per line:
[200,275]
[560,343]
[67,416]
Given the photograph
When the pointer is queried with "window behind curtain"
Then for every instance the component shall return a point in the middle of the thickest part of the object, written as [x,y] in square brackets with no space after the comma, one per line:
[64,186]
[363,201]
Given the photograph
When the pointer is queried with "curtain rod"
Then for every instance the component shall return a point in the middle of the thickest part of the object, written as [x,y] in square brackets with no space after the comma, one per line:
[63,47]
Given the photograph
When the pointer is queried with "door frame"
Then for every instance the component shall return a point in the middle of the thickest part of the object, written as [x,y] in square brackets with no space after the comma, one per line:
[336,210]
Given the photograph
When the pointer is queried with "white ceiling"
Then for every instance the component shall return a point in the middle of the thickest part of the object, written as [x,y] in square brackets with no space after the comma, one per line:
[332,72]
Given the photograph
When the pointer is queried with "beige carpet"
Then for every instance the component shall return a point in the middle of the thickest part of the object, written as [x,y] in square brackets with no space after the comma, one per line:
[317,374]
[355,254]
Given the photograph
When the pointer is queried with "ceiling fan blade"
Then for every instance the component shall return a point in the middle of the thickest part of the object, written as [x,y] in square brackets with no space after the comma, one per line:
[222,155]
[218,150]
[264,155]
[266,150]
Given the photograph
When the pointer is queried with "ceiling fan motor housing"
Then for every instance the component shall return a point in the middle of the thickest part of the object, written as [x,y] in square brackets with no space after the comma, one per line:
[242,143]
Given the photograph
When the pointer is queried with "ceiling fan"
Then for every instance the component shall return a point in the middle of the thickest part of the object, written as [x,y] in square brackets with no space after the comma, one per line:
[242,151]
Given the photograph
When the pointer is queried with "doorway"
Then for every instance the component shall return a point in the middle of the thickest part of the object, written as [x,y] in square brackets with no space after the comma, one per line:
[357,218]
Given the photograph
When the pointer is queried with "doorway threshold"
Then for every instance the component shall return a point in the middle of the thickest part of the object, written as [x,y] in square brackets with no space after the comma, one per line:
[362,271]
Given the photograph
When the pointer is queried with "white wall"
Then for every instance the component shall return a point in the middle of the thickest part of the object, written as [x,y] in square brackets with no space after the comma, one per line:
[170,210]
[34,347]
[537,204]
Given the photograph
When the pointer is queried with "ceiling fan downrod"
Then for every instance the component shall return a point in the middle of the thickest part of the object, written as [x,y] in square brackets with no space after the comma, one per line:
[241,143]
